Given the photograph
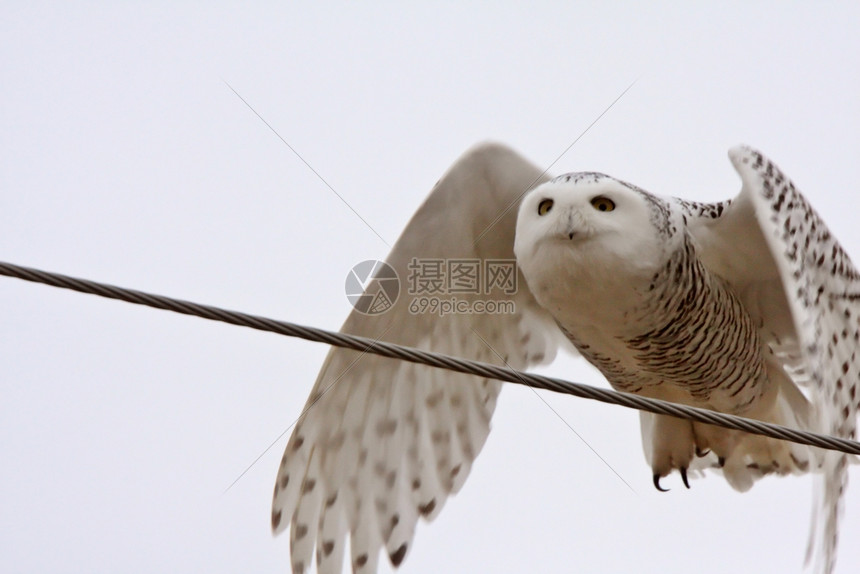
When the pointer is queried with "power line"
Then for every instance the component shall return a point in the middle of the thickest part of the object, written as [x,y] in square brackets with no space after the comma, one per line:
[432,359]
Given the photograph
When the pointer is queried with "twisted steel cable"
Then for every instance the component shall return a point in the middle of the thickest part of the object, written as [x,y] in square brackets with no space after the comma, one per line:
[432,359]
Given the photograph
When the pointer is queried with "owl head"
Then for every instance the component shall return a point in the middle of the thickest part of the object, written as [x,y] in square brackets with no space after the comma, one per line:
[595,227]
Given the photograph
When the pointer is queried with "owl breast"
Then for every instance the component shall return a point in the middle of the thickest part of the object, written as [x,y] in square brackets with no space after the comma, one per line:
[684,335]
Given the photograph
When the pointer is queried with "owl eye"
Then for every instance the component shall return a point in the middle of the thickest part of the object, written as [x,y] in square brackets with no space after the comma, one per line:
[601,203]
[544,206]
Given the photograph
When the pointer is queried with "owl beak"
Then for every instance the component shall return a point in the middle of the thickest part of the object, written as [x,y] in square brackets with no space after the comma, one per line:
[569,232]
[570,228]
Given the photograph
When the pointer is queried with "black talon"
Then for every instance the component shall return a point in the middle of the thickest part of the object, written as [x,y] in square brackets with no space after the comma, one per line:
[683,471]
[721,461]
[657,484]
[700,453]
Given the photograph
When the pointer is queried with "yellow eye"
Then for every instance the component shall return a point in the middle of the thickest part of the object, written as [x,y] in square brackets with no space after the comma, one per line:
[544,206]
[601,203]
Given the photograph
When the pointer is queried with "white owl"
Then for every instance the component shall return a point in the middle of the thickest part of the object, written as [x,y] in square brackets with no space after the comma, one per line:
[748,306]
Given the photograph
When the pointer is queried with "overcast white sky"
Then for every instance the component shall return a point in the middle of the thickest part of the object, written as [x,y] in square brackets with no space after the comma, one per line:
[125,158]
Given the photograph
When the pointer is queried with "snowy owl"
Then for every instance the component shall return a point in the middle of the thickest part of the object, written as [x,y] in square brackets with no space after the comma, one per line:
[747,306]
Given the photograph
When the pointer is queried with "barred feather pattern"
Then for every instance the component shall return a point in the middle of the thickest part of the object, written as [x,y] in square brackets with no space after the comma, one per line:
[691,326]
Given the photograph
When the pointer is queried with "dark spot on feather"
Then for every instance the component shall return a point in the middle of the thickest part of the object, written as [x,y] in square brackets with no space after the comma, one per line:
[379,469]
[301,531]
[337,440]
[433,400]
[398,556]
[308,485]
[801,464]
[361,561]
[331,500]
[300,440]
[386,427]
[276,519]
[328,547]
[455,471]
[298,566]
[285,480]
[439,436]
[395,520]
[416,484]
[426,509]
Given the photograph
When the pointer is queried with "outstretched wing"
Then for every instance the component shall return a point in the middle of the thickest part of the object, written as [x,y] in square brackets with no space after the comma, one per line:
[384,442]
[797,281]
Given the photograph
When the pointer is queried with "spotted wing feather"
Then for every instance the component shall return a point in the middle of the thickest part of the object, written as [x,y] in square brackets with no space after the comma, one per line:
[823,288]
[802,289]
[382,443]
